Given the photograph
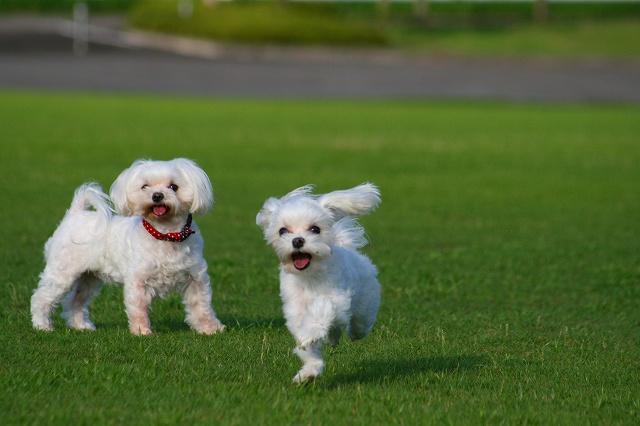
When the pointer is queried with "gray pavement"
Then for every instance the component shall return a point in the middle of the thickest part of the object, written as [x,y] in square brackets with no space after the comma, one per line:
[38,53]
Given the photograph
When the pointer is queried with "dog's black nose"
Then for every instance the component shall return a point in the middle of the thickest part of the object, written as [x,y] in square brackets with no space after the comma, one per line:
[297,242]
[157,197]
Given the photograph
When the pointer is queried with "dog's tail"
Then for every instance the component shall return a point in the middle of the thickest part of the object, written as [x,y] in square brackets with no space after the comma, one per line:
[91,198]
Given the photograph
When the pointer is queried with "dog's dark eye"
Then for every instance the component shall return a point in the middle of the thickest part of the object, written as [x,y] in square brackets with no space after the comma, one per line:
[145,186]
[173,187]
[283,231]
[314,230]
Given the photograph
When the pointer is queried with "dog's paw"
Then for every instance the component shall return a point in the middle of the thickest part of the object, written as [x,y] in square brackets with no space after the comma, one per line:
[302,378]
[312,364]
[81,324]
[142,331]
[212,329]
[43,327]
[308,372]
[312,335]
[305,342]
[41,322]
[85,326]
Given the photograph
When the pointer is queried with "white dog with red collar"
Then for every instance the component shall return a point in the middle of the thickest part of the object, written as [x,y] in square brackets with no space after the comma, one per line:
[152,246]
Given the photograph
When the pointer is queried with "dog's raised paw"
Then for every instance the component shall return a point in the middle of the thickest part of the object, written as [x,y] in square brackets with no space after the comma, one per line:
[302,379]
[306,342]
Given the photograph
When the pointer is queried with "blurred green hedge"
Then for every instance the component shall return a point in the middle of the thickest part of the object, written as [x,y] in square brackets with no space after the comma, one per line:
[454,9]
[64,5]
[261,22]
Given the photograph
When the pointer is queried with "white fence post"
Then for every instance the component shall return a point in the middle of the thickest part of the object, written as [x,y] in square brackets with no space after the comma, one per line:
[540,10]
[185,8]
[421,10]
[80,28]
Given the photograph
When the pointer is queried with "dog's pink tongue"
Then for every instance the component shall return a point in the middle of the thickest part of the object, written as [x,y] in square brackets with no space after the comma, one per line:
[159,210]
[301,260]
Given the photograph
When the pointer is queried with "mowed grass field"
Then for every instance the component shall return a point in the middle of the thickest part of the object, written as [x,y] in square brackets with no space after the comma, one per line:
[507,243]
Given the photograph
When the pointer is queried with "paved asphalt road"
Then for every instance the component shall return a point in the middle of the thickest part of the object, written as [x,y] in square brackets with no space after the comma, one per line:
[37,53]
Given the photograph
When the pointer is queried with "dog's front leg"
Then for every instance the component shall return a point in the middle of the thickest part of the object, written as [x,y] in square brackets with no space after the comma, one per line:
[322,322]
[197,302]
[312,363]
[137,302]
[316,323]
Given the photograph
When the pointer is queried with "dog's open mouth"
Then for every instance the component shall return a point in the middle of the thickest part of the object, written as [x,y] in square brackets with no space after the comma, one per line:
[301,260]
[159,209]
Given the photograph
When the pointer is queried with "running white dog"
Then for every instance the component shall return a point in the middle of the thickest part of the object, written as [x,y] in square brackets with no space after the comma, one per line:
[153,247]
[325,283]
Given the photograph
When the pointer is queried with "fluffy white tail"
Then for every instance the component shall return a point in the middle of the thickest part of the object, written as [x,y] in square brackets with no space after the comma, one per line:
[90,197]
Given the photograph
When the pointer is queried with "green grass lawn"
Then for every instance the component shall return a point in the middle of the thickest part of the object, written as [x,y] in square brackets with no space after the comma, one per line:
[507,244]
[585,39]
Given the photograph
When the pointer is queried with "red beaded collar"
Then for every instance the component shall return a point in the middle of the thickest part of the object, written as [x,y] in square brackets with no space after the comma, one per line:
[174,237]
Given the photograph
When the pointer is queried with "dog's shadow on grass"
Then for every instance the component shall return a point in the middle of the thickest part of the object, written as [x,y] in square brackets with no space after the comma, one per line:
[380,371]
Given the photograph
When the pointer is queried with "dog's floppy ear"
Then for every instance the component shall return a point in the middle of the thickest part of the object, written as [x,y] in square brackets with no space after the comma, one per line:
[264,216]
[352,202]
[302,191]
[272,204]
[119,191]
[200,184]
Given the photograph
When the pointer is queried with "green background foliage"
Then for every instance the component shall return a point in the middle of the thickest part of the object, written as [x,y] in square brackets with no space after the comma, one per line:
[572,29]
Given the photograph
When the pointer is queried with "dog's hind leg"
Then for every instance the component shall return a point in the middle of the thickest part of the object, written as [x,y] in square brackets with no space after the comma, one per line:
[362,322]
[312,361]
[53,285]
[365,307]
[76,303]
[358,330]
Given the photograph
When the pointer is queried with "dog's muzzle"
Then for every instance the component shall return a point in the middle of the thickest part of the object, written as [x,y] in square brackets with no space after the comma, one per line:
[158,208]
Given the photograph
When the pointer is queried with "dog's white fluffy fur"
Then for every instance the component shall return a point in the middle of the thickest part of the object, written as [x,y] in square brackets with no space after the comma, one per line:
[325,283]
[92,246]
